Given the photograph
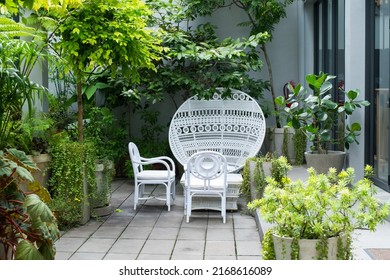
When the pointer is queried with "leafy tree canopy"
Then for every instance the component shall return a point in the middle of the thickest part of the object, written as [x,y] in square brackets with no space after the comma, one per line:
[12,6]
[109,34]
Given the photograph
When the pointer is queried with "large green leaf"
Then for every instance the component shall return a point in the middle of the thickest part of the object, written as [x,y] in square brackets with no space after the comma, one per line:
[37,209]
[24,173]
[21,157]
[6,167]
[48,251]
[91,90]
[42,218]
[27,251]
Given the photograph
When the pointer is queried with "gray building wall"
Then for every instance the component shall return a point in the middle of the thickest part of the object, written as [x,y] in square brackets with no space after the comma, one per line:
[355,71]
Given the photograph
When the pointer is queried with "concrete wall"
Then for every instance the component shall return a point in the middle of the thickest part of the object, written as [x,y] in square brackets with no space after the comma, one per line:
[355,71]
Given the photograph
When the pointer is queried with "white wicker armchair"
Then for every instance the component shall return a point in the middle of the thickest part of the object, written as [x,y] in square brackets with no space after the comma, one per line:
[234,127]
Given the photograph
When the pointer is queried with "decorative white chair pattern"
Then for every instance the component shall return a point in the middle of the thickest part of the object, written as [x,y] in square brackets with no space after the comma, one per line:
[152,177]
[234,127]
[206,176]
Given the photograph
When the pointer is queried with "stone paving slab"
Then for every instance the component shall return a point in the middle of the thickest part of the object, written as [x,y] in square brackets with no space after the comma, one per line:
[150,232]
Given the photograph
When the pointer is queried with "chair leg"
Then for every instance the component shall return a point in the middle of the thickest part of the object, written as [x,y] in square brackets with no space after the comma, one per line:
[185,201]
[189,206]
[142,190]
[223,209]
[136,190]
[173,188]
[168,196]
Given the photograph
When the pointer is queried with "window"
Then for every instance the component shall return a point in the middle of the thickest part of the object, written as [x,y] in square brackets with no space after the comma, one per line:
[329,40]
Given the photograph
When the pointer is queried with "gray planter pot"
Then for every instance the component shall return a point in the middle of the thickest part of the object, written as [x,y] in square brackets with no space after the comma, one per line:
[102,205]
[274,142]
[322,162]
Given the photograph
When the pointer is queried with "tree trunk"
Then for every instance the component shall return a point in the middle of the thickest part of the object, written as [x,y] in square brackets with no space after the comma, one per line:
[79,110]
[271,81]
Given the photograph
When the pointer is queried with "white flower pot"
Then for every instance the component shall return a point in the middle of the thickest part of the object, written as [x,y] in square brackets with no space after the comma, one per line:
[307,248]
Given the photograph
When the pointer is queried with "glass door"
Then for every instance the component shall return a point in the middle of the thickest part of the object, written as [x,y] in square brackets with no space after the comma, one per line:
[381,93]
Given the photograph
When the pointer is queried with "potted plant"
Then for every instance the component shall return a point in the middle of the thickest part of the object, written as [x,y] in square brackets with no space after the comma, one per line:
[73,180]
[315,219]
[318,115]
[28,228]
[257,169]
[109,140]
[32,136]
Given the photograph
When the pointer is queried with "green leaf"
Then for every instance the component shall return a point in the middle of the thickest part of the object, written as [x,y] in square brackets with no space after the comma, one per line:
[294,105]
[295,123]
[326,135]
[352,94]
[349,108]
[364,103]
[20,156]
[322,116]
[280,100]
[356,127]
[26,250]
[90,91]
[313,130]
[329,104]
[7,167]
[24,173]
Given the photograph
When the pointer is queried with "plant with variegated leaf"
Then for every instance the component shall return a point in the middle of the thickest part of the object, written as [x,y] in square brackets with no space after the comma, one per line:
[28,229]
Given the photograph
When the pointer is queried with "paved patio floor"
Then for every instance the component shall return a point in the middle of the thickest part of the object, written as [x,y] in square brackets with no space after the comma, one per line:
[152,233]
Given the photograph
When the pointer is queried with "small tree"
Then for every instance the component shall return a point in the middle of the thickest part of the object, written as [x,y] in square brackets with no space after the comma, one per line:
[102,35]
[263,16]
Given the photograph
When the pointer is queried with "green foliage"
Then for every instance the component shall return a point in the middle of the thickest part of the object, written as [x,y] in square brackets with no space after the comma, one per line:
[102,35]
[107,133]
[327,205]
[28,228]
[299,140]
[17,59]
[14,6]
[246,180]
[11,29]
[196,61]
[317,114]
[152,143]
[73,164]
[267,246]
[263,16]
[109,34]
[33,134]
[279,170]
[60,104]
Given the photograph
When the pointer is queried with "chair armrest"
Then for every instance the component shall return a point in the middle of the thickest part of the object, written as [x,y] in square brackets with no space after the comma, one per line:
[162,159]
